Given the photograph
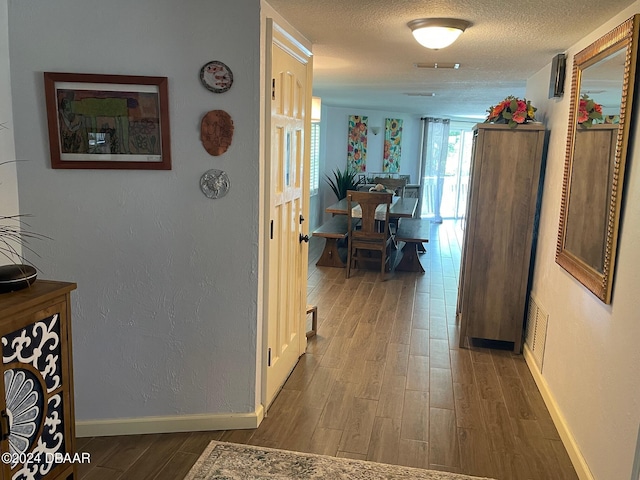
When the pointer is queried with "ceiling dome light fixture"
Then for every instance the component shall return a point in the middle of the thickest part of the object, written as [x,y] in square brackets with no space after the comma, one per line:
[436,33]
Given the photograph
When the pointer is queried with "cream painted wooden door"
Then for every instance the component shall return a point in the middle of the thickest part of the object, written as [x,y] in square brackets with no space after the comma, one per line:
[287,249]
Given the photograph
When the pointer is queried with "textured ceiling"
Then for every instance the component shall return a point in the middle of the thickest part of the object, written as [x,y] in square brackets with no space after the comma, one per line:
[364,53]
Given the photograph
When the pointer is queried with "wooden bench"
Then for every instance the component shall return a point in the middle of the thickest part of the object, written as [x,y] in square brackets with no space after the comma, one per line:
[414,232]
[333,230]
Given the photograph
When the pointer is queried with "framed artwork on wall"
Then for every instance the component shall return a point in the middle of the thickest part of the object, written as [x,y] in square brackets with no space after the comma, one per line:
[392,145]
[357,143]
[108,121]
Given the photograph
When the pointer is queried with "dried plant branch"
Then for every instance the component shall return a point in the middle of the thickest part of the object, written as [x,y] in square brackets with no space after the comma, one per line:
[15,231]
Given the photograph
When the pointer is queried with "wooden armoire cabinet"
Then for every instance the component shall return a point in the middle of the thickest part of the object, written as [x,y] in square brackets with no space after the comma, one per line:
[36,411]
[498,231]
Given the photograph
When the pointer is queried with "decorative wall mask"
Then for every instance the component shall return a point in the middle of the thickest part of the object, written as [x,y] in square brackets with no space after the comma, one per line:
[216,132]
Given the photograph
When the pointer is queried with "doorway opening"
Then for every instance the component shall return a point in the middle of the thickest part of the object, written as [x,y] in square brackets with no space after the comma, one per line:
[456,173]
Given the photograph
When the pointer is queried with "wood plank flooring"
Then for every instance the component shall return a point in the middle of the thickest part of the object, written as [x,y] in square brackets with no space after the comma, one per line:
[383,380]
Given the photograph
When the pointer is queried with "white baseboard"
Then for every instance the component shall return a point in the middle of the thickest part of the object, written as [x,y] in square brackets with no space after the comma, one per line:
[181,423]
[579,463]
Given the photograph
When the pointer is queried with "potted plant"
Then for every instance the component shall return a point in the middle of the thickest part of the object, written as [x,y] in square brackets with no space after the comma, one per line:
[512,111]
[588,111]
[342,181]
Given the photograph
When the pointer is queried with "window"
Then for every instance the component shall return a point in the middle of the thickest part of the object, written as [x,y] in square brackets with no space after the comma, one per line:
[456,176]
[314,167]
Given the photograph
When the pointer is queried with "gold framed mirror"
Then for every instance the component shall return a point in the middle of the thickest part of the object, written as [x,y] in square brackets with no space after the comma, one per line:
[602,90]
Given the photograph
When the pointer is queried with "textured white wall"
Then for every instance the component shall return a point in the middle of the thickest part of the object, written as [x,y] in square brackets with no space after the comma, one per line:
[592,357]
[335,121]
[8,178]
[164,317]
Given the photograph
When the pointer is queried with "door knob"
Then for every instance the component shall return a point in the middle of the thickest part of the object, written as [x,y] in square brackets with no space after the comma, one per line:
[304,238]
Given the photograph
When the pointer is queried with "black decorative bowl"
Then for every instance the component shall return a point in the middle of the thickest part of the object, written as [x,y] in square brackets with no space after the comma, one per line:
[16,277]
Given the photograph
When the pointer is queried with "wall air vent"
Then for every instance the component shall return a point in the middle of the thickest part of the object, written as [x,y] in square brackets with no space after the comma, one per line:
[421,94]
[536,335]
[451,66]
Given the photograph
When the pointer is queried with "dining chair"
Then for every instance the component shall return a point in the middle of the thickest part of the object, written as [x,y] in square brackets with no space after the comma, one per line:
[372,232]
[398,185]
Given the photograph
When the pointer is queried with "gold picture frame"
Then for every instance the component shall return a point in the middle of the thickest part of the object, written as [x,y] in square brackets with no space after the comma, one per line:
[596,156]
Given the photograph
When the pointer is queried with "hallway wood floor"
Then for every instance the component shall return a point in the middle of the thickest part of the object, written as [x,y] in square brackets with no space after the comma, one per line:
[384,380]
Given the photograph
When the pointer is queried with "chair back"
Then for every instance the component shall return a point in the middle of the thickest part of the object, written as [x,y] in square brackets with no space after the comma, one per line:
[396,184]
[372,226]
[373,232]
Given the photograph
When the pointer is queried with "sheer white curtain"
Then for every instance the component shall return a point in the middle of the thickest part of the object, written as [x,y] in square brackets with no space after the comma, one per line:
[435,141]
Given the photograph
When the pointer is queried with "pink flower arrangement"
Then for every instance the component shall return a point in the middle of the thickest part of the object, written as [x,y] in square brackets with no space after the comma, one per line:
[588,111]
[511,110]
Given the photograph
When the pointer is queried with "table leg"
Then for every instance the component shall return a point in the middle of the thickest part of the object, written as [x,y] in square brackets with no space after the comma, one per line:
[410,261]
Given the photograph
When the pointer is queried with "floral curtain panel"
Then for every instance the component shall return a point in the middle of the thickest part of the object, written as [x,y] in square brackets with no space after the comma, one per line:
[392,145]
[357,143]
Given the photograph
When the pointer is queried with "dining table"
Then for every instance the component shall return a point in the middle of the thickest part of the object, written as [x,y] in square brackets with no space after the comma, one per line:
[401,207]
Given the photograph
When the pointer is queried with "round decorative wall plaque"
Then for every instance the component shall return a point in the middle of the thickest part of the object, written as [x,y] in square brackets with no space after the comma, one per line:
[215,183]
[216,132]
[216,76]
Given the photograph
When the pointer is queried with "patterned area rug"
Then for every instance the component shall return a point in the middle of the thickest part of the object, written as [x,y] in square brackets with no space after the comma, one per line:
[230,461]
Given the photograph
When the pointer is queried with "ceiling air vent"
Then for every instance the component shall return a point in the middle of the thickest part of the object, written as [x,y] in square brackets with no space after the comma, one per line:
[421,94]
[451,66]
